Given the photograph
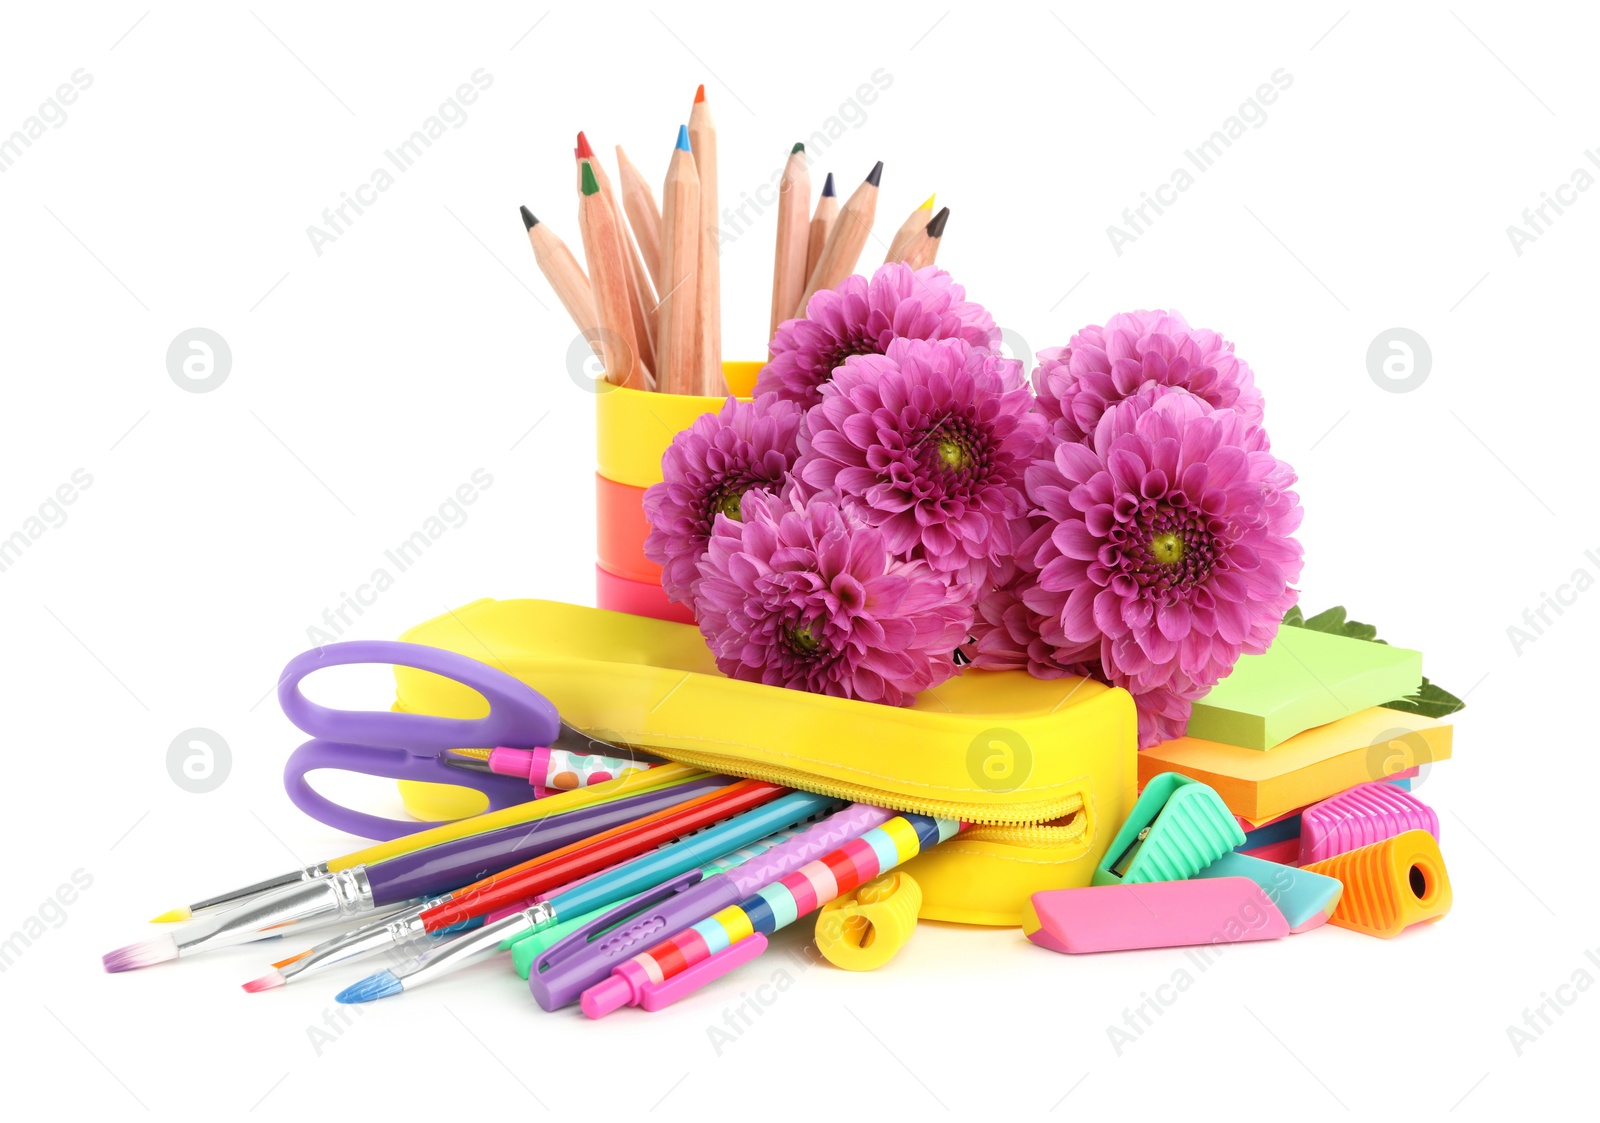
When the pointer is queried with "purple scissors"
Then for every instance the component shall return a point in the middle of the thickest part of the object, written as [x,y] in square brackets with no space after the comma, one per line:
[410,746]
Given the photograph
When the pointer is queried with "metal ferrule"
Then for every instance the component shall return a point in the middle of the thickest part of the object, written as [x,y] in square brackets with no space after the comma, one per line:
[473,946]
[321,901]
[239,896]
[374,936]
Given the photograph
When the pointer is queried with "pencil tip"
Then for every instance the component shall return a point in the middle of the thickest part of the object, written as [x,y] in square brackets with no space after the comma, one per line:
[528,220]
[590,184]
[936,225]
[799,146]
[827,185]
[927,204]
[584,151]
[683,138]
[700,94]
[875,174]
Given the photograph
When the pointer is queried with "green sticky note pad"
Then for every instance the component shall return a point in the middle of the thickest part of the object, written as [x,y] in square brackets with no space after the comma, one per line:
[1304,680]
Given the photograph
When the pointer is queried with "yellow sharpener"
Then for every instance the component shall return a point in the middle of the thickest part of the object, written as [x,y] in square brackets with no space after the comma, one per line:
[863,930]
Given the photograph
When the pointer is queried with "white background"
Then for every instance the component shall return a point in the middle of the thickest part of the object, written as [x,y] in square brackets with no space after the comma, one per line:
[367,383]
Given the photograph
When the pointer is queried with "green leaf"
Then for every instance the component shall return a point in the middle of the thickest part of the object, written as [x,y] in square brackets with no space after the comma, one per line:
[1430,700]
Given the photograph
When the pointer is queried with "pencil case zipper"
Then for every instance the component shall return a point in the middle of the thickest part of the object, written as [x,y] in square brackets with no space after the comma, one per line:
[1043,823]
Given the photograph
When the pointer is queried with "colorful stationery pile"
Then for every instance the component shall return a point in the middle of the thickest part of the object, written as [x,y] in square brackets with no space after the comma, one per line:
[1288,804]
[1054,621]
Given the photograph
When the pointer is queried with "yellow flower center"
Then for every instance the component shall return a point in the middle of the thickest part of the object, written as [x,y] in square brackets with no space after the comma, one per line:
[1167,548]
[953,454]
[803,640]
[730,505]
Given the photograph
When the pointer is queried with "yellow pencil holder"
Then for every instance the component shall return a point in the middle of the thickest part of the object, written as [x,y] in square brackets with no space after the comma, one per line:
[633,428]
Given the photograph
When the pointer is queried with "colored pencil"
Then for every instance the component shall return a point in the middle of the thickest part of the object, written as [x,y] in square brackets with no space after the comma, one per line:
[602,245]
[680,256]
[708,282]
[846,240]
[600,852]
[822,221]
[644,217]
[923,246]
[915,223]
[566,276]
[794,217]
[641,293]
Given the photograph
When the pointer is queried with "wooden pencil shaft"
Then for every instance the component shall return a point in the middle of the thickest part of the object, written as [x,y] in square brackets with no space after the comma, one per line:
[568,280]
[821,227]
[916,224]
[644,216]
[680,256]
[603,248]
[641,296]
[708,281]
[845,243]
[794,235]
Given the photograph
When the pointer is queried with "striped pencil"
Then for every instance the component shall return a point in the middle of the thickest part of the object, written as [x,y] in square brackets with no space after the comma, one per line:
[914,224]
[602,245]
[848,238]
[680,255]
[641,293]
[639,202]
[822,221]
[566,276]
[708,282]
[923,246]
[789,259]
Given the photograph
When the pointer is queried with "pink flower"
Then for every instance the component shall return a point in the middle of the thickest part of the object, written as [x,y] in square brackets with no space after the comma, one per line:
[862,317]
[803,594]
[1170,545]
[930,443]
[1100,366]
[706,471]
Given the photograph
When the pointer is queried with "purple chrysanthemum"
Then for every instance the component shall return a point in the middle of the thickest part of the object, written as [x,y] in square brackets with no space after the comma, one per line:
[1171,545]
[1100,366]
[708,468]
[863,317]
[930,442]
[803,594]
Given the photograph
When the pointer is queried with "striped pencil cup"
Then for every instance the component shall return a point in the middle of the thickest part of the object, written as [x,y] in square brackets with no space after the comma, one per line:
[633,428]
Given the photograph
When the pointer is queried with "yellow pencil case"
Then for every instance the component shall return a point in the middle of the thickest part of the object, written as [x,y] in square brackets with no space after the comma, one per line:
[1044,770]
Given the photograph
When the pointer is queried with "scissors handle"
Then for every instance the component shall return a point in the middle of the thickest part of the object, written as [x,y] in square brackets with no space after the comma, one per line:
[397,764]
[518,716]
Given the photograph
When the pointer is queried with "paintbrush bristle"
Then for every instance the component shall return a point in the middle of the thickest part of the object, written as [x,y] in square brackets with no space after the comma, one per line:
[381,985]
[172,916]
[143,954]
[265,982]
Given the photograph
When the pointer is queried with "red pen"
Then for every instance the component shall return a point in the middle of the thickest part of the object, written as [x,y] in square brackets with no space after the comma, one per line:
[570,863]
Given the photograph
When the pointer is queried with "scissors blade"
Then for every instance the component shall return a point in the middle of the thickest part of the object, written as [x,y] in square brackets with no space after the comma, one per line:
[575,740]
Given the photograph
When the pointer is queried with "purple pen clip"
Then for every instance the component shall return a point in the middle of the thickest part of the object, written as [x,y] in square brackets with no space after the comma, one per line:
[658,996]
[573,941]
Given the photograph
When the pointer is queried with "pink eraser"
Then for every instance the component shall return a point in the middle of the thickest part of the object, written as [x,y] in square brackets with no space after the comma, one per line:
[1367,813]
[1153,914]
